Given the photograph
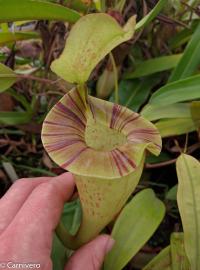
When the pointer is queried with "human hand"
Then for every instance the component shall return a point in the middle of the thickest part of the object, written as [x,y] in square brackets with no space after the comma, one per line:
[29,214]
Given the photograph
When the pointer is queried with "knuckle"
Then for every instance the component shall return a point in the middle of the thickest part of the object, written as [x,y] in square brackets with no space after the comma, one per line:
[20,182]
[49,188]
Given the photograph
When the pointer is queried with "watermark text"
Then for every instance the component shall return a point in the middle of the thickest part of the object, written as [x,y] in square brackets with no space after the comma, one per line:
[14,265]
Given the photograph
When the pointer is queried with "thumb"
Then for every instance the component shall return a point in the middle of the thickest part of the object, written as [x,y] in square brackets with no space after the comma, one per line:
[91,255]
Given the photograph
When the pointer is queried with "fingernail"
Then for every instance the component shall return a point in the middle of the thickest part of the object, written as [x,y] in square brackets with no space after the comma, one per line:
[109,245]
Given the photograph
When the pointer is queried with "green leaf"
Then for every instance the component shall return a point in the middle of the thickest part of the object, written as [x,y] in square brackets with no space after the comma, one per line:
[161,262]
[182,90]
[21,98]
[12,10]
[7,77]
[71,216]
[151,15]
[71,220]
[78,5]
[188,199]
[19,60]
[182,36]
[36,171]
[161,158]
[89,41]
[134,226]
[177,110]
[13,37]
[58,254]
[171,127]
[179,258]
[172,193]
[190,60]
[195,112]
[133,94]
[154,65]
[11,131]
[14,118]
[4,27]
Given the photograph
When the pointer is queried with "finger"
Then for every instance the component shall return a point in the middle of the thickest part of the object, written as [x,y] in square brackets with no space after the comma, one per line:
[91,255]
[33,226]
[15,197]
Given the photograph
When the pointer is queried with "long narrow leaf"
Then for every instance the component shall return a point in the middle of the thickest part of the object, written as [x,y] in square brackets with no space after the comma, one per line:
[7,77]
[183,36]
[58,254]
[13,37]
[154,65]
[190,60]
[161,262]
[182,90]
[21,98]
[195,112]
[188,198]
[178,110]
[14,118]
[152,14]
[134,93]
[14,10]
[178,255]
[71,216]
[135,225]
[171,127]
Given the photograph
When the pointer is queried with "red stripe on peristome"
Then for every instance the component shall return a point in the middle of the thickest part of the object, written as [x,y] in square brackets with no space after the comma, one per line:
[92,109]
[63,125]
[69,113]
[116,162]
[119,118]
[145,131]
[66,117]
[78,94]
[140,133]
[73,102]
[64,165]
[133,165]
[115,112]
[128,121]
[121,161]
[52,147]
[63,134]
[54,124]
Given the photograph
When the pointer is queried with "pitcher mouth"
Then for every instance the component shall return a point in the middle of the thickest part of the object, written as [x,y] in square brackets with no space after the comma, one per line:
[107,142]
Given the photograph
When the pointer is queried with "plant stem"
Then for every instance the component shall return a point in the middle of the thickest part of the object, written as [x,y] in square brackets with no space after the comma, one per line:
[115,77]
[83,91]
[30,77]
[161,164]
[189,151]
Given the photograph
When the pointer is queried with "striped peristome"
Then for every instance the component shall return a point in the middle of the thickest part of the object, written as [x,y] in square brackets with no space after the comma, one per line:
[63,136]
